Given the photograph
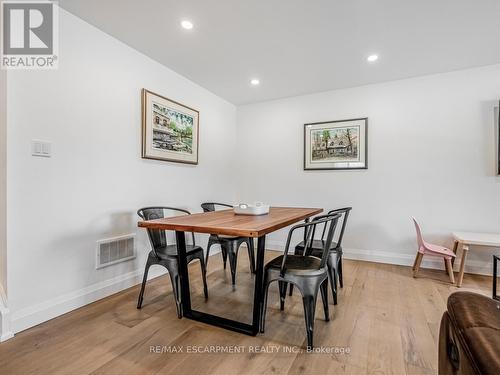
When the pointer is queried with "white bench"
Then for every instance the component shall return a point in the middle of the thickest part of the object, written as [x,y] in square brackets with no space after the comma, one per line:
[465,239]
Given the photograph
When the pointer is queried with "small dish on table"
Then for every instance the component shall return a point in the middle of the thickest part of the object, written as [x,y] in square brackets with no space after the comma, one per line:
[256,209]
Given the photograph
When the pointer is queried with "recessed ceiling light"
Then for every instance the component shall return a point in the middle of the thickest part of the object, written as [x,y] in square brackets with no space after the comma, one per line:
[188,25]
[254,82]
[372,58]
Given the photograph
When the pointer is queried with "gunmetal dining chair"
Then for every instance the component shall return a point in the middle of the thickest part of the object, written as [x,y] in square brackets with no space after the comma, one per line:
[307,272]
[335,256]
[165,255]
[229,244]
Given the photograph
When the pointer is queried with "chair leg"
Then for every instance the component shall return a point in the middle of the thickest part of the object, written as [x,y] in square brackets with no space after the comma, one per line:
[282,288]
[232,253]
[174,278]
[291,289]
[209,245]
[324,297]
[418,261]
[415,262]
[332,275]
[204,276]
[143,286]
[264,304]
[309,302]
[339,270]
[335,277]
[223,250]
[449,268]
[251,254]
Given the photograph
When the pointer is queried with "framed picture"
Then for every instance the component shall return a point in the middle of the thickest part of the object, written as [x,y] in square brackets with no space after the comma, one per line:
[336,144]
[169,129]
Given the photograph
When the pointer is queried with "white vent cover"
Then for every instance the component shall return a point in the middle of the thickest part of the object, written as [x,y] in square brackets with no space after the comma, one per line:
[115,250]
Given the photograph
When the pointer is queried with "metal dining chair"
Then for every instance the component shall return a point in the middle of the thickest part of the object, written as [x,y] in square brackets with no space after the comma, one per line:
[229,244]
[335,256]
[307,272]
[165,255]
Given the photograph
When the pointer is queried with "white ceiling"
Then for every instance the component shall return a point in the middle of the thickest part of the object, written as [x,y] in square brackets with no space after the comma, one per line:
[301,46]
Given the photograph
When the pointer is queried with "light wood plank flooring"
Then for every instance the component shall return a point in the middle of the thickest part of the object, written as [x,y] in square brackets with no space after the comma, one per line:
[386,319]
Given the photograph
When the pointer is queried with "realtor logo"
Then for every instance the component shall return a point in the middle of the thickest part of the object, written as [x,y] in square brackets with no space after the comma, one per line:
[29,35]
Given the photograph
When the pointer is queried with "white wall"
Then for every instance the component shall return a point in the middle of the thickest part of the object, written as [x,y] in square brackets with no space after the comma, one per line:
[5,330]
[431,155]
[90,109]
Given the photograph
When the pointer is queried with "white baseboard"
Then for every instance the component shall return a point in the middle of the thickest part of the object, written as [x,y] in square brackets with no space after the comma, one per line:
[401,259]
[34,315]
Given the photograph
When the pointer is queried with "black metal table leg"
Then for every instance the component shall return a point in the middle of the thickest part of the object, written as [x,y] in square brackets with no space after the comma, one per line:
[259,279]
[183,274]
[218,321]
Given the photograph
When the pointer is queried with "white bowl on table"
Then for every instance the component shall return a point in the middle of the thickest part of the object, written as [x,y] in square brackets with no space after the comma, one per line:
[258,208]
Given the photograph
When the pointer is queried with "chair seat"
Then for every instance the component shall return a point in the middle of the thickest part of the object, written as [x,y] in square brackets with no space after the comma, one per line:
[171,250]
[316,245]
[436,250]
[298,264]
[225,237]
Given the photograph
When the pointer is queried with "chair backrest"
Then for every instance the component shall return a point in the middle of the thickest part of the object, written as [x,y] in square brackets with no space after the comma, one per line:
[212,206]
[329,221]
[344,214]
[158,237]
[420,238]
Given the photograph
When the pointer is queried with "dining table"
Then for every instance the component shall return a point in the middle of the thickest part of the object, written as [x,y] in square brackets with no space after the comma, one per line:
[226,222]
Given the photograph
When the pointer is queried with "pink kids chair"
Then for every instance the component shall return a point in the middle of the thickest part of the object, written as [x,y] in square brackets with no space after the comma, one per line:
[425,248]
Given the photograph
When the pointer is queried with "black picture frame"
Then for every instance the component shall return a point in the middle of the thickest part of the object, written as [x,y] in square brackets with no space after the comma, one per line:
[354,167]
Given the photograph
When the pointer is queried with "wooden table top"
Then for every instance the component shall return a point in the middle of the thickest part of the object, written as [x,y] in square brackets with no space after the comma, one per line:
[228,223]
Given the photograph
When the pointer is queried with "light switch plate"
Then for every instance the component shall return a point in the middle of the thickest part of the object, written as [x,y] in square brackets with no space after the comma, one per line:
[41,148]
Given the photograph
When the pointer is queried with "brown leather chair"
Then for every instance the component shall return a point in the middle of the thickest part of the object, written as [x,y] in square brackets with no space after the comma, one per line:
[469,337]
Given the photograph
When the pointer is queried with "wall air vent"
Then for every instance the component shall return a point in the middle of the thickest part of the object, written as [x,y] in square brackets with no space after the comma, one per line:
[115,250]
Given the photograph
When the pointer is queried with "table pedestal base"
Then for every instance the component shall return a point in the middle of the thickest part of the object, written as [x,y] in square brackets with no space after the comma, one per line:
[214,320]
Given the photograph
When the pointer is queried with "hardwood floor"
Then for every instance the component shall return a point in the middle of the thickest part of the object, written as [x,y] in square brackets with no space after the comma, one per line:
[386,322]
